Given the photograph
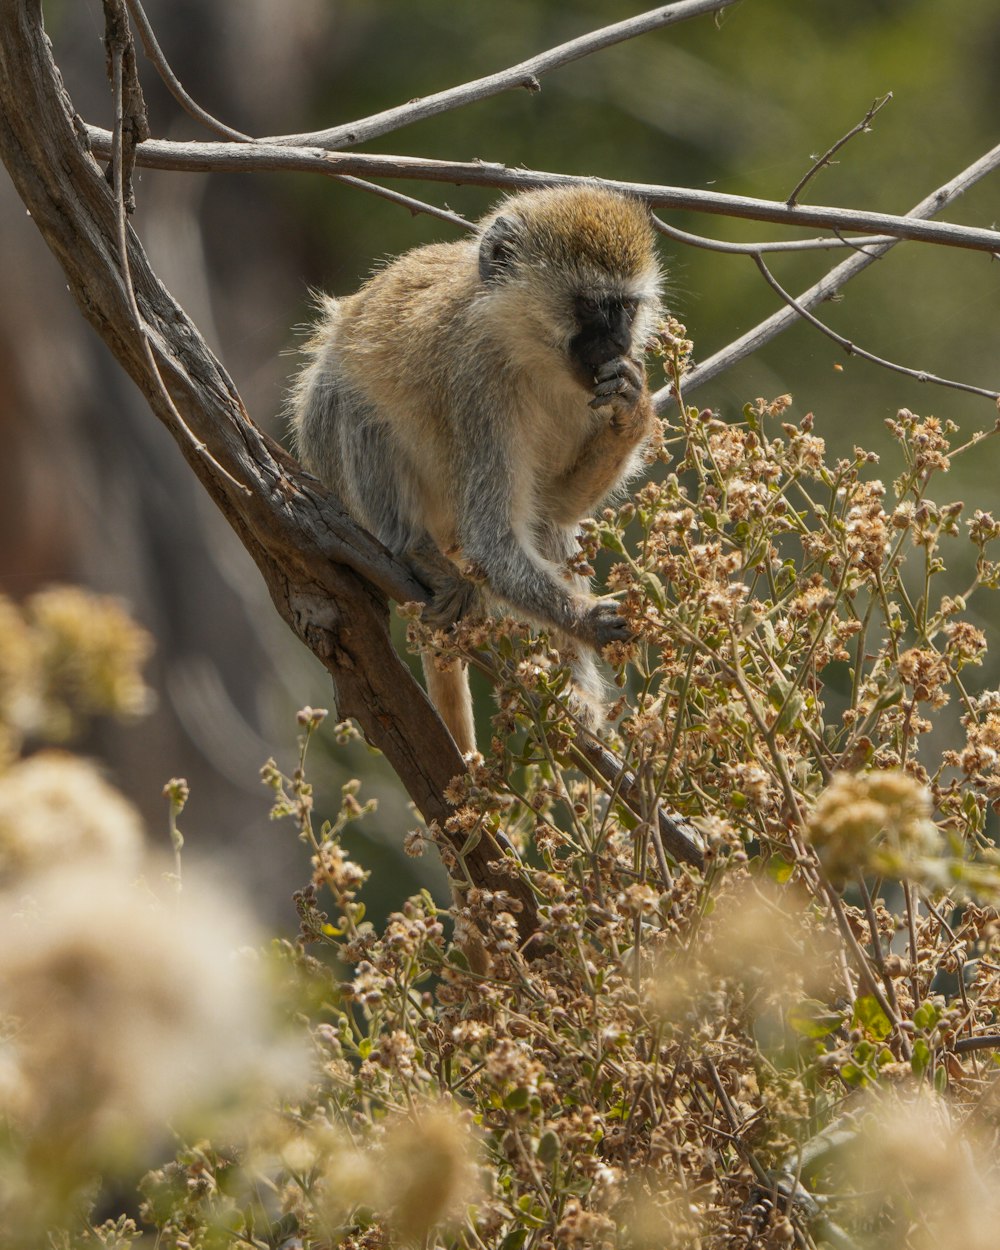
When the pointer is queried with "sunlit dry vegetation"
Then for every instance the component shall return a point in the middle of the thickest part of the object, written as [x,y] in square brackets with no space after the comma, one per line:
[792,1046]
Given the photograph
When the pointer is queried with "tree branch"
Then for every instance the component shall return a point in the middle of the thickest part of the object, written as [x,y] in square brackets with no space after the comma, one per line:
[268,157]
[829,284]
[523,75]
[187,102]
[863,126]
[282,520]
[852,349]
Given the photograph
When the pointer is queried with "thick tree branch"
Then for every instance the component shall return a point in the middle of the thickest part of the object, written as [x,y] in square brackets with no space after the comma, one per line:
[264,157]
[287,527]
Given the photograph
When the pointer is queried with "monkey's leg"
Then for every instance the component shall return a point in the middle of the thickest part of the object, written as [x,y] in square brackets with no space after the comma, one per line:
[454,597]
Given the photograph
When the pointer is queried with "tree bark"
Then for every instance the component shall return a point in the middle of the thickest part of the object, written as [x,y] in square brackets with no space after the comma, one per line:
[328,579]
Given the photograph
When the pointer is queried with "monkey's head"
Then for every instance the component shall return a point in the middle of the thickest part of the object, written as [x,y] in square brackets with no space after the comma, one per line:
[574,271]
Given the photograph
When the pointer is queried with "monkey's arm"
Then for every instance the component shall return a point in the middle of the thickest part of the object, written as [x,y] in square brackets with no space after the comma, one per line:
[496,515]
[623,399]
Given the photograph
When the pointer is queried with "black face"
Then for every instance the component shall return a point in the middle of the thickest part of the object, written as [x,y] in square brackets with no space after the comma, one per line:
[605,331]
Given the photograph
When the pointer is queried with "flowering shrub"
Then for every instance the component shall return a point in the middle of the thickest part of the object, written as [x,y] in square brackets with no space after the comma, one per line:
[792,1046]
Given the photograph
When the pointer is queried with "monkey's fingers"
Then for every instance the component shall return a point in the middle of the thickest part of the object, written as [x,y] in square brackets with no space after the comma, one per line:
[618,384]
[620,367]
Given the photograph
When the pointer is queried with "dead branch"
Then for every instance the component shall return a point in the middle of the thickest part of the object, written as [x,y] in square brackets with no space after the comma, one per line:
[305,548]
[863,127]
[261,157]
[524,75]
[852,349]
[155,55]
[830,283]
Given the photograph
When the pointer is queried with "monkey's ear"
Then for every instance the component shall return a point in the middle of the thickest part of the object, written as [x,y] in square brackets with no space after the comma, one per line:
[498,250]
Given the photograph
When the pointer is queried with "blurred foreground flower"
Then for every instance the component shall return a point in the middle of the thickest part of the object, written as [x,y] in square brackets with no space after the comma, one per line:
[90,656]
[122,1015]
[56,808]
[923,1180]
[419,1174]
[878,822]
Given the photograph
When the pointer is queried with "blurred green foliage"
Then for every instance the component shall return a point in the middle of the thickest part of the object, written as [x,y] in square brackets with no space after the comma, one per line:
[740,105]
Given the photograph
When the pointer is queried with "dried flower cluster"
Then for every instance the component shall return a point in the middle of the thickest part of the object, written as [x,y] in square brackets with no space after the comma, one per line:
[64,656]
[793,1046]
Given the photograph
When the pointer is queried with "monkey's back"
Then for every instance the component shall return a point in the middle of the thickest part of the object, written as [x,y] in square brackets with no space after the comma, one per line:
[375,406]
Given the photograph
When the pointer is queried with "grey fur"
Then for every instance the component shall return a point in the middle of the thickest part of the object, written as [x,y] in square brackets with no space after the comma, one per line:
[443,405]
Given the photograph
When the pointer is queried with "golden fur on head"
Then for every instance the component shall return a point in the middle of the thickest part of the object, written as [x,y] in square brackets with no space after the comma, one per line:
[586,229]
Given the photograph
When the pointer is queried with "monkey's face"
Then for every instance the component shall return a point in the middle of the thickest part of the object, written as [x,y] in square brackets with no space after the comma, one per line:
[604,330]
[570,280]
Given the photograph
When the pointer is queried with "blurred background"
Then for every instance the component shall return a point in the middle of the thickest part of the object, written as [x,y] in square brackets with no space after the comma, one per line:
[93,492]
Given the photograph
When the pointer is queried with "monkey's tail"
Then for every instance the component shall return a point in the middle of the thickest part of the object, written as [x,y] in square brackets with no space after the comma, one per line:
[449,692]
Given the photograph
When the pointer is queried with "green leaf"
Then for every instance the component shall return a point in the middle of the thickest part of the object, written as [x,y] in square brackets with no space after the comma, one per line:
[812,1018]
[654,588]
[548,1147]
[514,1240]
[471,842]
[921,1057]
[926,1016]
[780,870]
[869,1016]
[517,1099]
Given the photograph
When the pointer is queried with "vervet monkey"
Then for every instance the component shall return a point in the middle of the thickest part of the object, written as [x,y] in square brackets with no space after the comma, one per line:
[474,400]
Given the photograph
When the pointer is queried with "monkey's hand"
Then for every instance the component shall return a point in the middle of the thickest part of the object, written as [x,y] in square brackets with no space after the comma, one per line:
[601,622]
[618,385]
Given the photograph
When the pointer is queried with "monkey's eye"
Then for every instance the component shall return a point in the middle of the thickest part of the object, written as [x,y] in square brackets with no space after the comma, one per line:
[630,307]
[587,305]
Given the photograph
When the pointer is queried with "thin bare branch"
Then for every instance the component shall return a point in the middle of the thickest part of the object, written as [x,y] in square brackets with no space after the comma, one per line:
[154,53]
[828,285]
[852,349]
[173,84]
[863,126]
[407,201]
[260,157]
[523,75]
[826,243]
[120,42]
[132,123]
